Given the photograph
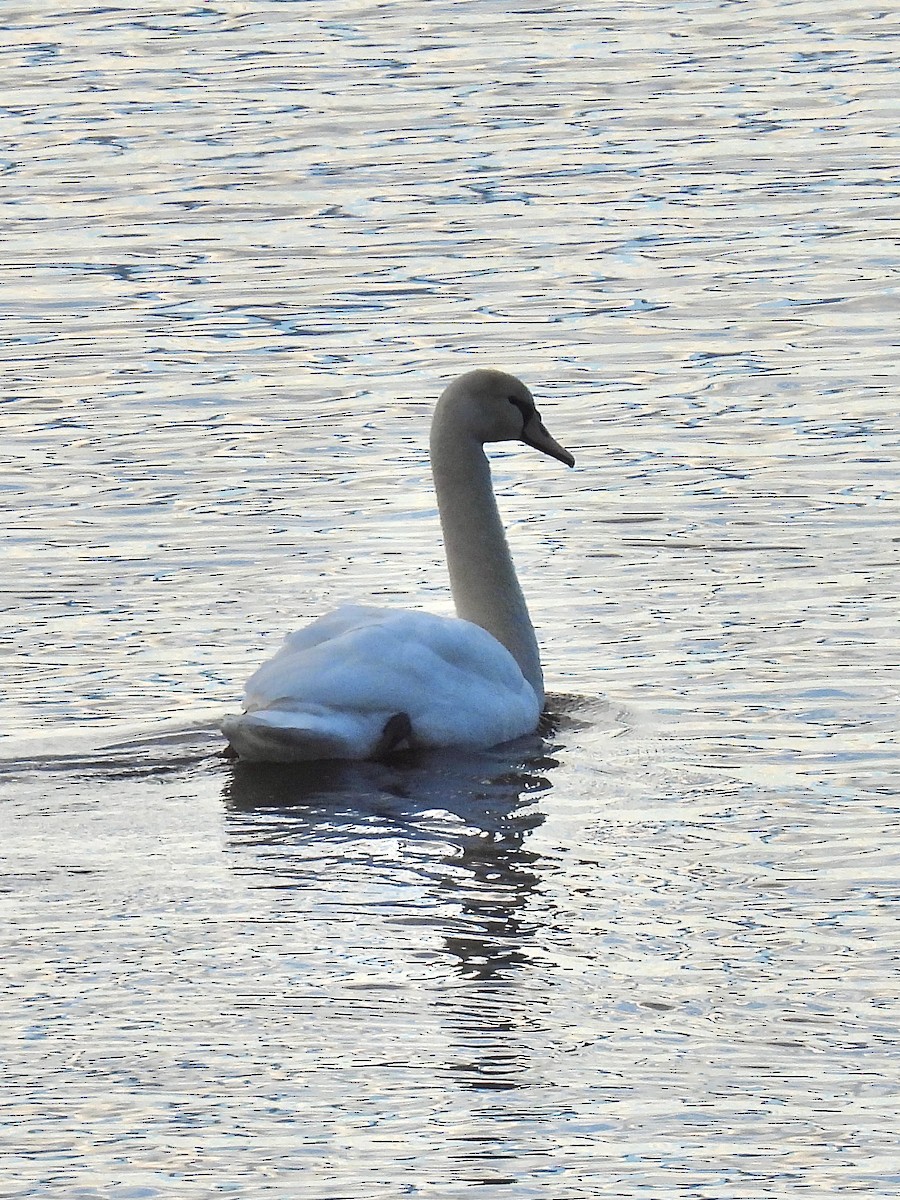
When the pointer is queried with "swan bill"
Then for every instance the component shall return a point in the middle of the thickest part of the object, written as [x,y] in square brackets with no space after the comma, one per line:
[535,435]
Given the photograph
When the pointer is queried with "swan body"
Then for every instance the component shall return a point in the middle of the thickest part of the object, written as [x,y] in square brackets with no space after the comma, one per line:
[333,688]
[360,682]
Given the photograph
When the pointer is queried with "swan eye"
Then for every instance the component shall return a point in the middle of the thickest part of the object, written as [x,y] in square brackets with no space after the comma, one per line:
[526,409]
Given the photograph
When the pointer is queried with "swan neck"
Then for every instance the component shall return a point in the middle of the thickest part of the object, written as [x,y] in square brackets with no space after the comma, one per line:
[482,575]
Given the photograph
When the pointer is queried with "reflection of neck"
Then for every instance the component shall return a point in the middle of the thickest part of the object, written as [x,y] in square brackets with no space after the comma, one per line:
[482,576]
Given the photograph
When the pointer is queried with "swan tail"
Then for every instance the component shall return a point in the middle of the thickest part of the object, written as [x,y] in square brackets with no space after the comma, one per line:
[270,735]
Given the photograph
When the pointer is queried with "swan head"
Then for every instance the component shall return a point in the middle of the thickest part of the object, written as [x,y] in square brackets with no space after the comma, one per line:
[492,406]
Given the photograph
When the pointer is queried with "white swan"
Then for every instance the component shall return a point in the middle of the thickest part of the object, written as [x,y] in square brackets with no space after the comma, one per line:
[360,682]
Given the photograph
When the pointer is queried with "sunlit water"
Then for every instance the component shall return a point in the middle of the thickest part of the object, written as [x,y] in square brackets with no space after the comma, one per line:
[651,951]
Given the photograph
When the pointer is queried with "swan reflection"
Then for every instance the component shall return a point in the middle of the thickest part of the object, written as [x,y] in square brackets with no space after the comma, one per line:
[461,822]
[420,868]
[483,787]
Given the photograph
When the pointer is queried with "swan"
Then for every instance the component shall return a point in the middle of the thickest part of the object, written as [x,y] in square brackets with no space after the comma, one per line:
[361,682]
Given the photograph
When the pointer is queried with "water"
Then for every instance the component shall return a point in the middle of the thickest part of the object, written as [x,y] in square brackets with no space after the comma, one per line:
[650,952]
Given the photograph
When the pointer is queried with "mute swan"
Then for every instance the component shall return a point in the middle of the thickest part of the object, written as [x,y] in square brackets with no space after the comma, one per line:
[360,682]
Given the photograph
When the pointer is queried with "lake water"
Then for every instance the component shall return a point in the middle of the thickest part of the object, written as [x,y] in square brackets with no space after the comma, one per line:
[651,951]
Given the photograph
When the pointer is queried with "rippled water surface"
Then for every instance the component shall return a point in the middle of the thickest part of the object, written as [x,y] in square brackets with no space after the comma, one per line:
[651,951]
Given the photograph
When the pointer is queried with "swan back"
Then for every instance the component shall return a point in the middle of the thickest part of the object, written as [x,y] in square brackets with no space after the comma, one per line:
[334,687]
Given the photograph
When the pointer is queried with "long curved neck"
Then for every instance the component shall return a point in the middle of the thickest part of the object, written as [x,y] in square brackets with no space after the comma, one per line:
[482,576]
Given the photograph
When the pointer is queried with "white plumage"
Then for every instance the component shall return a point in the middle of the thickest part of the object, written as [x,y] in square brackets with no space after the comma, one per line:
[342,678]
[360,682]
